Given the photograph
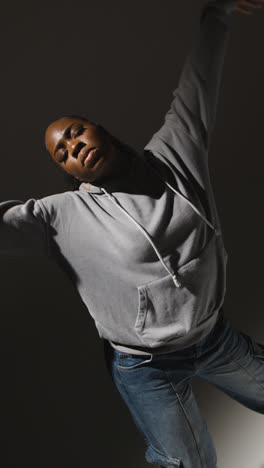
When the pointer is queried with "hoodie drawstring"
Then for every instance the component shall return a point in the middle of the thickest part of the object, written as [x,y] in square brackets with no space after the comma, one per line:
[172,273]
[217,232]
[176,281]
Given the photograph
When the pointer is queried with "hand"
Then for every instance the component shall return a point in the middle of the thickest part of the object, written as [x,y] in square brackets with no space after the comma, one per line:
[244,6]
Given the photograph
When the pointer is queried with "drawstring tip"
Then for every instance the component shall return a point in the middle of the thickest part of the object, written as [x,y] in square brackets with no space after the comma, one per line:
[176,281]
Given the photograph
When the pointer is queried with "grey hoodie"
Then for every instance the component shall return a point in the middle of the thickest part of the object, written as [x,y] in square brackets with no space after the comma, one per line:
[145,250]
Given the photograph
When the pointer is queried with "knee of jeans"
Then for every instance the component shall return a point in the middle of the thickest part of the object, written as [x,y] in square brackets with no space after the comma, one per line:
[154,456]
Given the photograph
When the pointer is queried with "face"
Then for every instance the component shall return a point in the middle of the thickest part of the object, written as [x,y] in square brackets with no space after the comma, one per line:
[83,150]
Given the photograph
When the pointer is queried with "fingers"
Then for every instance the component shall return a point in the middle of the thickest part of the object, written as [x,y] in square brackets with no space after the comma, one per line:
[244,6]
[241,10]
[252,4]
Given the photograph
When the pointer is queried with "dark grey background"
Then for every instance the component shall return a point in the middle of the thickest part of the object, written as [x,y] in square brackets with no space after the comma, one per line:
[117,63]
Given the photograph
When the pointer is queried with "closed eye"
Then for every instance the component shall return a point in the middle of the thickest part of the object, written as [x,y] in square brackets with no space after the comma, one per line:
[65,156]
[75,132]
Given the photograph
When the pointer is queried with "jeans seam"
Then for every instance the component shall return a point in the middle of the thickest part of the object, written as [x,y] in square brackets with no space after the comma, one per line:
[187,418]
[150,444]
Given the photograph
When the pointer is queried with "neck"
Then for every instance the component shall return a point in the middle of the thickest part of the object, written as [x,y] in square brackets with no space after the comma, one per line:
[121,166]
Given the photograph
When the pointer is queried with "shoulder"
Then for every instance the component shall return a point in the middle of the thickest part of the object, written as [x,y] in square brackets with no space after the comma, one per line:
[56,204]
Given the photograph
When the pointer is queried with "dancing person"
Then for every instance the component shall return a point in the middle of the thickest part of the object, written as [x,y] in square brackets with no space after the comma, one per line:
[140,237]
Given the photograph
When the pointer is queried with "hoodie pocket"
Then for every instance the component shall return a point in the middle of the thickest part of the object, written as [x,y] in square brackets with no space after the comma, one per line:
[166,313]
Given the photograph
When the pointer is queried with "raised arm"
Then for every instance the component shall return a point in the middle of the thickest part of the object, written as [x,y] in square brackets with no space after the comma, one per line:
[23,229]
[193,109]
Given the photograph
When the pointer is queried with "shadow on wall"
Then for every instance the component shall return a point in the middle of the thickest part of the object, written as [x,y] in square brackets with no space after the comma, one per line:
[60,406]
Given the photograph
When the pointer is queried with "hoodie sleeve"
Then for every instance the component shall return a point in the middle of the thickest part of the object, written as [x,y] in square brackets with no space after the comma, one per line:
[193,109]
[23,228]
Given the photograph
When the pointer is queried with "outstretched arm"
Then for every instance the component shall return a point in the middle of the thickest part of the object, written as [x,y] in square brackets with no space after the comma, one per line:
[193,108]
[23,229]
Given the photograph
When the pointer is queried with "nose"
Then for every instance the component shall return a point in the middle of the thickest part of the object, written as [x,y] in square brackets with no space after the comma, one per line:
[74,147]
[71,144]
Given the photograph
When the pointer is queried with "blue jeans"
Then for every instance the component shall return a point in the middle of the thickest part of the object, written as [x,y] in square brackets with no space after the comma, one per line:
[157,391]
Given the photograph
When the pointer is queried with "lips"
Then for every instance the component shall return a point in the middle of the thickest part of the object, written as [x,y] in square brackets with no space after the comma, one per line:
[90,156]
